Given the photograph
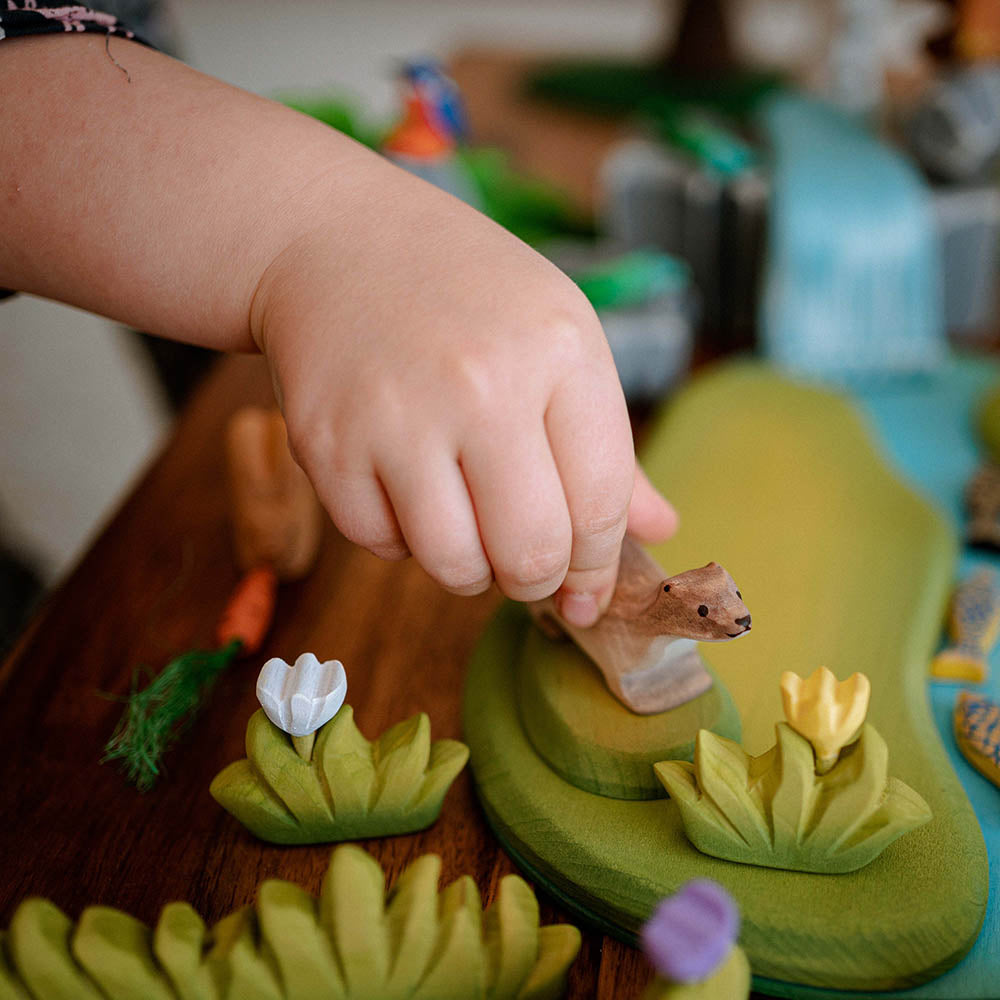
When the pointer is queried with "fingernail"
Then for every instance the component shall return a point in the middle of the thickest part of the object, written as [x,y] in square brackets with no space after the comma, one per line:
[579,609]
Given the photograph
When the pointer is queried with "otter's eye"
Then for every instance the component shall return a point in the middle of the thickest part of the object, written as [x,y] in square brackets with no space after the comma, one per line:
[666,588]
[739,595]
[702,610]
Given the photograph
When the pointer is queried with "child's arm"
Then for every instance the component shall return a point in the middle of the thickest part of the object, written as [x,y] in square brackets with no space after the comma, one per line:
[449,392]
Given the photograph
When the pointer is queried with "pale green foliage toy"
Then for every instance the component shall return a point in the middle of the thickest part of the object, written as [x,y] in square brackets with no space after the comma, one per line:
[797,806]
[731,981]
[353,943]
[347,789]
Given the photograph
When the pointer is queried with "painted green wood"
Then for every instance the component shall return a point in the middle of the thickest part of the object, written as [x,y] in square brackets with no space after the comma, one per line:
[774,810]
[291,933]
[558,945]
[239,968]
[588,737]
[11,987]
[180,941]
[842,565]
[731,981]
[39,950]
[350,789]
[988,422]
[114,949]
[357,942]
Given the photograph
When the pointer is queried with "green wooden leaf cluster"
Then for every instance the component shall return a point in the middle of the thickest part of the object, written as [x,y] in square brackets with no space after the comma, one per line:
[353,943]
[775,811]
[730,981]
[351,789]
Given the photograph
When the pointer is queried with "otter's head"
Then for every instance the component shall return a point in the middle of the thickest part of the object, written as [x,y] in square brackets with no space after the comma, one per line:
[701,604]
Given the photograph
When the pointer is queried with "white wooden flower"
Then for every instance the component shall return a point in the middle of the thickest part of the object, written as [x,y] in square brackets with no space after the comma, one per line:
[302,697]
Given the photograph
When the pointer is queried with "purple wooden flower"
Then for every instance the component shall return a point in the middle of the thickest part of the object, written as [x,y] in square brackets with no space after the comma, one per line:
[691,932]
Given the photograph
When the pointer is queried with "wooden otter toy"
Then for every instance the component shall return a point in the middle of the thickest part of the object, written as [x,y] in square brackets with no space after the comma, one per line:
[645,644]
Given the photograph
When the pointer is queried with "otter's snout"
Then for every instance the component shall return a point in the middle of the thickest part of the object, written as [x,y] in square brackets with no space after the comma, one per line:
[744,624]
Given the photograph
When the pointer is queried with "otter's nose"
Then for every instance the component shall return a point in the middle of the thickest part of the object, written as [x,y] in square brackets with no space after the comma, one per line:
[743,622]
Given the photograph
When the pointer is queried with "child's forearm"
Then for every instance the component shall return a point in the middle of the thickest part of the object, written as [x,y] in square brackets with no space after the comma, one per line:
[448,391]
[157,199]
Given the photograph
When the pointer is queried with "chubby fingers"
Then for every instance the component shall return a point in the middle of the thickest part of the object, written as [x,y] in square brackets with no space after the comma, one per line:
[487,505]
[540,511]
[434,511]
[539,505]
[651,518]
[607,493]
[521,512]
[588,429]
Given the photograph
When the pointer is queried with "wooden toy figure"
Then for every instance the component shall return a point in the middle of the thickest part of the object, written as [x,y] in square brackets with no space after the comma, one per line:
[977,731]
[973,625]
[311,777]
[645,645]
[433,124]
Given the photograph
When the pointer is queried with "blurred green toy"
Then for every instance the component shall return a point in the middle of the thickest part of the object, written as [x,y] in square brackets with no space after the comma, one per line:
[633,279]
[354,943]
[988,423]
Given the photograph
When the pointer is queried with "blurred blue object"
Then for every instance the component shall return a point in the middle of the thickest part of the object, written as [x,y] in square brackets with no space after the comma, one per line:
[853,274]
[440,95]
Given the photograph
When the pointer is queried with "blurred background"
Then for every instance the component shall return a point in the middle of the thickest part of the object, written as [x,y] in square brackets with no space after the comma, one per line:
[813,179]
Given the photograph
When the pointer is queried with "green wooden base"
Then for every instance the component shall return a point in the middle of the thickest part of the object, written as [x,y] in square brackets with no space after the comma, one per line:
[841,565]
[591,739]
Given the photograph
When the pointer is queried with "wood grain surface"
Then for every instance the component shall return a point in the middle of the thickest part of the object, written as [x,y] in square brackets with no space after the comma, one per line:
[73,830]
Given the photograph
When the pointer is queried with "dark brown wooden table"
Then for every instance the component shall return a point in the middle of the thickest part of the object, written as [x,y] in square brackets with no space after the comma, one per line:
[154,583]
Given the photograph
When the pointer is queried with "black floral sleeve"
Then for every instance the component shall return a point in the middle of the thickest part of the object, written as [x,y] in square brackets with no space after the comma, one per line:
[27,17]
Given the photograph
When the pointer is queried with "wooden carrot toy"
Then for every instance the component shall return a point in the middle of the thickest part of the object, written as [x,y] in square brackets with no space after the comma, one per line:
[974,624]
[645,645]
[276,522]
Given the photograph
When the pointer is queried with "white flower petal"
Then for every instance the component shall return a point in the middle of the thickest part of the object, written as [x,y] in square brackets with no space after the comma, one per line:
[301,698]
[309,676]
[299,714]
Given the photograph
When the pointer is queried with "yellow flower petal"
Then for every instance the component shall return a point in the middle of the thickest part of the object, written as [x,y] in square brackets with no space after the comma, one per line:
[827,712]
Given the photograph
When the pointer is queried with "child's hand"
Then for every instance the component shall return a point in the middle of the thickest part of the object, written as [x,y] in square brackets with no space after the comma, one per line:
[447,390]
[451,394]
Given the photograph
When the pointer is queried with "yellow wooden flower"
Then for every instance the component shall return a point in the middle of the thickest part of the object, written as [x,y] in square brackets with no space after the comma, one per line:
[827,712]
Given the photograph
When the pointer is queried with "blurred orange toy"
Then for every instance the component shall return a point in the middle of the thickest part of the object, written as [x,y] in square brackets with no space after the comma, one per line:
[431,128]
